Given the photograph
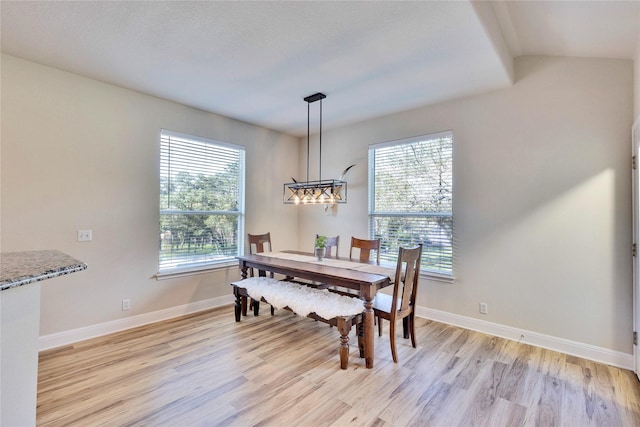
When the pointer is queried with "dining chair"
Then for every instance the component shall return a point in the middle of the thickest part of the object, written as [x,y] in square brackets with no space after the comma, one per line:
[401,305]
[331,242]
[259,243]
[365,246]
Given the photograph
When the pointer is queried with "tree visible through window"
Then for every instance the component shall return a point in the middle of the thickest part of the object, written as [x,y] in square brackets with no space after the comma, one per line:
[411,198]
[201,202]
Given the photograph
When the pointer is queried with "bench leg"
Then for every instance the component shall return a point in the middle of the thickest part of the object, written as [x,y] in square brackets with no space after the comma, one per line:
[238,306]
[244,306]
[344,327]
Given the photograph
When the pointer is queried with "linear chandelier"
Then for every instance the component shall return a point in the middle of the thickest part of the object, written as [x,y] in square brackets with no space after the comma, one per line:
[320,192]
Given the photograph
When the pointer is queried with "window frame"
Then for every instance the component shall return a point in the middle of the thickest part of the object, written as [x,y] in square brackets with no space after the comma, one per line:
[206,265]
[373,214]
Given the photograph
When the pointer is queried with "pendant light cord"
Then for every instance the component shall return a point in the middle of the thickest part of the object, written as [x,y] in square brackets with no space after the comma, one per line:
[308,110]
[320,168]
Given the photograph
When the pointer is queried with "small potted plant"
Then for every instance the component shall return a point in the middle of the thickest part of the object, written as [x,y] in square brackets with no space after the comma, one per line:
[320,247]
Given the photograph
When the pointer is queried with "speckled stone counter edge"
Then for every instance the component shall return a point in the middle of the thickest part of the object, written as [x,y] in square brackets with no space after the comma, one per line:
[22,268]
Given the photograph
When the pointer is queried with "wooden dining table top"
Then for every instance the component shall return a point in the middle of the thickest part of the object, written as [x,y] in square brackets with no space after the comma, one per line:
[335,271]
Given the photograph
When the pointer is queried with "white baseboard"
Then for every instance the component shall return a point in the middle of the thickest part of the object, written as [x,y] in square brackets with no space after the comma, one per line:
[47,342]
[586,351]
[574,348]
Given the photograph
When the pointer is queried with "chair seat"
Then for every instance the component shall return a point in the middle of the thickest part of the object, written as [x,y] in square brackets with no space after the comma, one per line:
[383,302]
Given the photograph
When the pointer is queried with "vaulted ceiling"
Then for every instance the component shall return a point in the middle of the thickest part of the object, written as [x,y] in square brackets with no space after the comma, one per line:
[256,61]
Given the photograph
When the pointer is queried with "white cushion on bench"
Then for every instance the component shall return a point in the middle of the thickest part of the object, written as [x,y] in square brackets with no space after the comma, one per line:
[301,299]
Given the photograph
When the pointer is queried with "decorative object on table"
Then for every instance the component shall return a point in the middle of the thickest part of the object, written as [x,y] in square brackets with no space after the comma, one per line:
[327,191]
[329,244]
[320,247]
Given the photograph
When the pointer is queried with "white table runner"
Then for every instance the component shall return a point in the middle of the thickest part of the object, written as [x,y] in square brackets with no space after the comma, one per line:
[332,262]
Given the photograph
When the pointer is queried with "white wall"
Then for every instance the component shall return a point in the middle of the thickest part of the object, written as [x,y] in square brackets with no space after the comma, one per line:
[542,194]
[636,68]
[80,154]
[542,201]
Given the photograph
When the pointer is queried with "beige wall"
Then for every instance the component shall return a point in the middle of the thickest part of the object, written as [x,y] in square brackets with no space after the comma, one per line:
[636,68]
[542,194]
[542,201]
[80,154]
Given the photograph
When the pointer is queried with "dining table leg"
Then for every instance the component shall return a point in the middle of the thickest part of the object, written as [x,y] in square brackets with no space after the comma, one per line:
[368,293]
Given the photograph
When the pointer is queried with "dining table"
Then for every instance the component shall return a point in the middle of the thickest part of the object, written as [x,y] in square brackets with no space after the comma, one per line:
[366,278]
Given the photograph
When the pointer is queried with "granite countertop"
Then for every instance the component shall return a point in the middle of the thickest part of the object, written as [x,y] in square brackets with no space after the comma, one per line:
[21,268]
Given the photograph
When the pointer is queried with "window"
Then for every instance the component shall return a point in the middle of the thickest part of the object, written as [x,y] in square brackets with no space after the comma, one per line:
[201,202]
[410,200]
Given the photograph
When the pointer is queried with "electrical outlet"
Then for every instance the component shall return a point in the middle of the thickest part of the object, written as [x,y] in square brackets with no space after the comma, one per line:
[126,304]
[483,308]
[84,235]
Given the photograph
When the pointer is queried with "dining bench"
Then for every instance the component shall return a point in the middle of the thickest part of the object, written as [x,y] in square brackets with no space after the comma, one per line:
[340,311]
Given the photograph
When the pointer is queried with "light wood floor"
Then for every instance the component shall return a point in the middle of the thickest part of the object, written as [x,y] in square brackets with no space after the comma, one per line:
[205,369]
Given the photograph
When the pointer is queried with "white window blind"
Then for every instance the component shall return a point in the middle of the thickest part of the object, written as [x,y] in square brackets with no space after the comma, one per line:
[201,202]
[411,199]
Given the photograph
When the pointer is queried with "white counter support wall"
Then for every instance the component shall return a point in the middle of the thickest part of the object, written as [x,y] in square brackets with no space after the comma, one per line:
[20,276]
[19,329]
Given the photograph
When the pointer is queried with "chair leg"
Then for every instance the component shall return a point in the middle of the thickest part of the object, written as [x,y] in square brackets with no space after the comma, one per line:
[238,306]
[379,326]
[412,329]
[272,310]
[405,327]
[256,307]
[392,340]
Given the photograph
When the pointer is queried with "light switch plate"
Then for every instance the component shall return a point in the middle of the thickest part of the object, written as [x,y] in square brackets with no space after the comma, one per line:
[84,235]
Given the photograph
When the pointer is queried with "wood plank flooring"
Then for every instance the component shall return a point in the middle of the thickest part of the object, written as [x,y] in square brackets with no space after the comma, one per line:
[206,370]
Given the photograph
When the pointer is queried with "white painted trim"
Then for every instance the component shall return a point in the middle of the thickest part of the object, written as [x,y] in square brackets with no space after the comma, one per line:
[574,348]
[635,141]
[59,339]
[227,265]
[586,351]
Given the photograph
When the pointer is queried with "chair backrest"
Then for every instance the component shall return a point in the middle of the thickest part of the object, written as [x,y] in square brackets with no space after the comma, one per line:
[331,242]
[259,243]
[365,246]
[405,287]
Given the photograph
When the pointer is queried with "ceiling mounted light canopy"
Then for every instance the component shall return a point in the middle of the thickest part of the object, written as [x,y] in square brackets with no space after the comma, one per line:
[322,192]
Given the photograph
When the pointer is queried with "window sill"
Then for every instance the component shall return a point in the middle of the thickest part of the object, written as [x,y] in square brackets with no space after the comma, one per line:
[428,275]
[195,271]
[444,278]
